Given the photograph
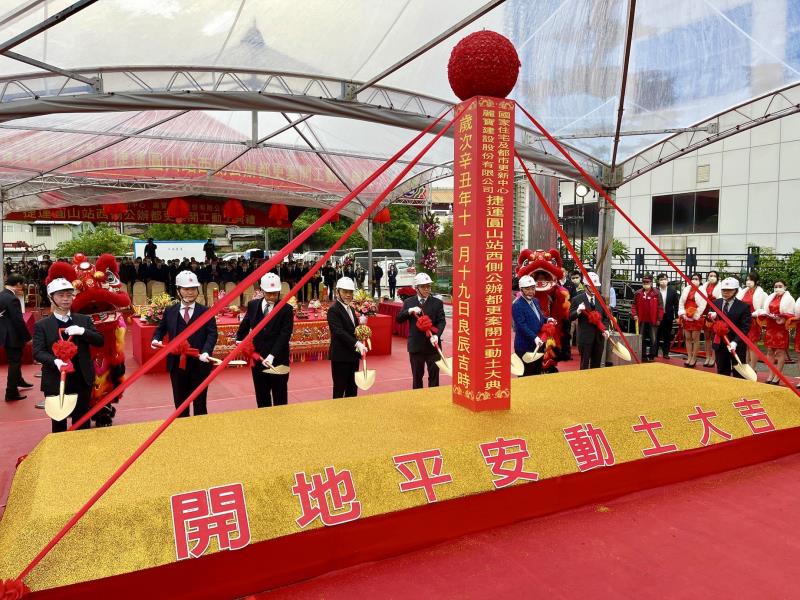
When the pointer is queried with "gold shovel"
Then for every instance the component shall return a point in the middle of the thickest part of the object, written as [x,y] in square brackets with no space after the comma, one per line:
[517,366]
[60,407]
[445,363]
[365,379]
[530,357]
[277,370]
[620,350]
[745,370]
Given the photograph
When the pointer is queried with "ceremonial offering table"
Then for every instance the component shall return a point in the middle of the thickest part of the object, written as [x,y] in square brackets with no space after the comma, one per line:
[391,309]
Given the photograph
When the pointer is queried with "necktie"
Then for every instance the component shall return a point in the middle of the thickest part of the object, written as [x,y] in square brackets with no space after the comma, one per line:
[727,307]
[591,301]
[186,314]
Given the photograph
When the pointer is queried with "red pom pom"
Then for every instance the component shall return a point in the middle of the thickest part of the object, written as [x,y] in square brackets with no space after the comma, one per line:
[425,325]
[61,269]
[547,331]
[64,350]
[79,258]
[484,63]
[720,328]
[107,262]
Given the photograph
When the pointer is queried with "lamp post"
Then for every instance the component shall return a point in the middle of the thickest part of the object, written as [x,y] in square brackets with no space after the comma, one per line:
[580,191]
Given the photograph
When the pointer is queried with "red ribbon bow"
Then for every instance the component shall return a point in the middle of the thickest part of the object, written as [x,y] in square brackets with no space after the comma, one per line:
[720,329]
[595,319]
[249,353]
[11,589]
[65,350]
[183,350]
[425,325]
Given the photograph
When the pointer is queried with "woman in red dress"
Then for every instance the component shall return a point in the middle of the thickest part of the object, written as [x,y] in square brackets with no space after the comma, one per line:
[711,291]
[691,308]
[755,297]
[778,307]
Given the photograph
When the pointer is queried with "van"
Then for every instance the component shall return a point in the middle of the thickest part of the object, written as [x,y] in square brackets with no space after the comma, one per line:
[407,256]
[405,272]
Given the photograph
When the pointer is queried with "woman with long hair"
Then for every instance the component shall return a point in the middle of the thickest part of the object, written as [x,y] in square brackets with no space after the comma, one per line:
[754,296]
[691,310]
[778,307]
[711,291]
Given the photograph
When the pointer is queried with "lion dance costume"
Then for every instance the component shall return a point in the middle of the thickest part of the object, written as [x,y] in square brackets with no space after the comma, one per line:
[99,294]
[547,270]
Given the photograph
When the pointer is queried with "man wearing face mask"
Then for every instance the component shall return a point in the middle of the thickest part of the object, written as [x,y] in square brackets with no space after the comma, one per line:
[647,310]
[778,307]
[669,300]
[528,320]
[272,342]
[754,297]
[739,314]
[185,371]
[60,325]
[421,348]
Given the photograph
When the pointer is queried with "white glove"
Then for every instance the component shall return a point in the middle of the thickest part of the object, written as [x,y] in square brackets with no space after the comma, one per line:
[581,307]
[238,342]
[539,341]
[203,357]
[60,364]
[434,339]
[155,344]
[712,315]
[267,362]
[361,348]
[754,313]
[551,321]
[74,330]
[606,334]
[415,310]
[732,346]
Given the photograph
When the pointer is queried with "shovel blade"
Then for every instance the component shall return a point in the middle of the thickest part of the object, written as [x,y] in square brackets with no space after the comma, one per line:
[621,351]
[746,371]
[365,379]
[59,408]
[517,366]
[445,365]
[277,370]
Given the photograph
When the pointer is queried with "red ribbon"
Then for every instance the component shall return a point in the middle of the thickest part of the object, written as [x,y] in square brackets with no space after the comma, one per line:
[11,589]
[249,353]
[65,350]
[425,325]
[547,331]
[720,330]
[183,350]
[595,319]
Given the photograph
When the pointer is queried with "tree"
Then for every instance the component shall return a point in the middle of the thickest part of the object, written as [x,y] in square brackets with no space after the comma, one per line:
[93,243]
[619,250]
[174,231]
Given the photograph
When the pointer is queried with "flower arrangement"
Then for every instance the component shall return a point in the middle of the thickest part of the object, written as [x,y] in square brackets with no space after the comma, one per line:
[429,231]
[363,333]
[153,312]
[315,305]
[364,304]
[430,260]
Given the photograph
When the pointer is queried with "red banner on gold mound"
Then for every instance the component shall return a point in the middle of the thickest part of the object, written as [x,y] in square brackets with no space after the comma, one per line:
[484,205]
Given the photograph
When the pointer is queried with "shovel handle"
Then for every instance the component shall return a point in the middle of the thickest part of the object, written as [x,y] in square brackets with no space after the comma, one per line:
[727,343]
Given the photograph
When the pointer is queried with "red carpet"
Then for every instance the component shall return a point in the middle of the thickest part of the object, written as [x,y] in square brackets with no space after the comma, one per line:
[729,535]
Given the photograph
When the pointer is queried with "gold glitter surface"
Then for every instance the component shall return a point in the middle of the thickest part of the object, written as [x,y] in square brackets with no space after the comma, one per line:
[130,528]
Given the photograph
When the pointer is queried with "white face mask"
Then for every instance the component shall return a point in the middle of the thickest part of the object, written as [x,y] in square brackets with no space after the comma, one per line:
[750,283]
[780,291]
[712,279]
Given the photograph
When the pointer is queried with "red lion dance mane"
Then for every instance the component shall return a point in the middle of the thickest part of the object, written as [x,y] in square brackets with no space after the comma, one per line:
[547,270]
[99,294]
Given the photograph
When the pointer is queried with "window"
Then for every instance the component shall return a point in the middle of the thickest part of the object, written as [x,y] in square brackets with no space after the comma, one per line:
[8,228]
[42,230]
[697,212]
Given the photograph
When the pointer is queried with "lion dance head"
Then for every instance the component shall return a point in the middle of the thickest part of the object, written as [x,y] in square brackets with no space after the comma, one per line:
[99,294]
[547,270]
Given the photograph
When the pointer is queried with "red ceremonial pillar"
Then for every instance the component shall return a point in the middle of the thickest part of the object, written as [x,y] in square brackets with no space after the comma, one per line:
[482,253]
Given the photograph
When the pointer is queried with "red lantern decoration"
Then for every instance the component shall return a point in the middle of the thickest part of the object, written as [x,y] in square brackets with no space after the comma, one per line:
[484,63]
[279,214]
[178,209]
[383,217]
[233,211]
[333,219]
[115,211]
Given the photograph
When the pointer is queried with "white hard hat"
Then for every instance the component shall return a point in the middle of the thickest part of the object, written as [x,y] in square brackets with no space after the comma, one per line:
[729,283]
[186,279]
[345,283]
[271,283]
[59,285]
[422,279]
[526,281]
[595,278]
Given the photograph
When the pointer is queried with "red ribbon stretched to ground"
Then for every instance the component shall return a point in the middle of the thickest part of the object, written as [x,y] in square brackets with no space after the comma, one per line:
[253,332]
[13,589]
[248,351]
[183,350]
[591,181]
[595,319]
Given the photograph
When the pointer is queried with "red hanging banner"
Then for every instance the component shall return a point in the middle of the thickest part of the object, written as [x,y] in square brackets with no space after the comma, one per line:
[482,259]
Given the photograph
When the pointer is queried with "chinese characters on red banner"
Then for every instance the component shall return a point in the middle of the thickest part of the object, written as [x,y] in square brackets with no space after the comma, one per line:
[200,515]
[482,220]
[330,496]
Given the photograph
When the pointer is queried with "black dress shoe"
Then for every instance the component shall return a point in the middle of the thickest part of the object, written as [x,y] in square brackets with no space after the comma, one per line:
[25,384]
[13,398]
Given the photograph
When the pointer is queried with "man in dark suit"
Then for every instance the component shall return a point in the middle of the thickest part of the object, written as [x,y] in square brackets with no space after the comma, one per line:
[739,313]
[669,299]
[13,335]
[377,275]
[421,348]
[271,343]
[177,318]
[345,349]
[61,325]
[150,249]
[590,339]
[528,320]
